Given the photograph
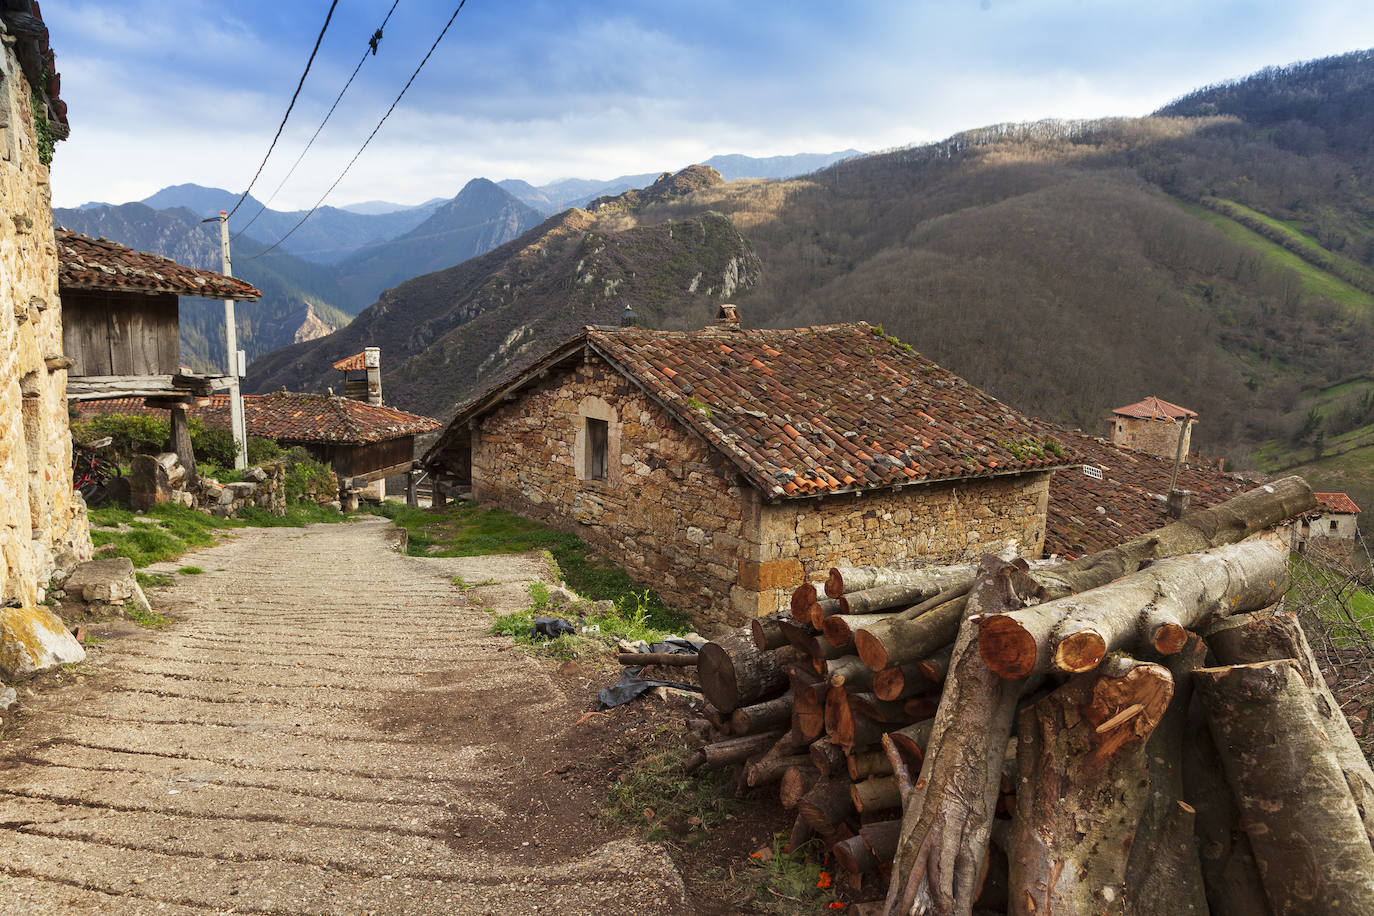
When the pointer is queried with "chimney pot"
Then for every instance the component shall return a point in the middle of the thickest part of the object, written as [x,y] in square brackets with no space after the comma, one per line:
[728,317]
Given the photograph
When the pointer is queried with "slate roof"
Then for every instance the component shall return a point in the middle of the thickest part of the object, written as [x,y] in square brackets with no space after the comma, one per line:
[288,417]
[811,411]
[354,363]
[1153,408]
[1336,502]
[1087,514]
[87,263]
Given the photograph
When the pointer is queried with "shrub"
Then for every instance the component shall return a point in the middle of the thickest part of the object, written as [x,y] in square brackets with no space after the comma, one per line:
[212,445]
[306,478]
[131,434]
[261,449]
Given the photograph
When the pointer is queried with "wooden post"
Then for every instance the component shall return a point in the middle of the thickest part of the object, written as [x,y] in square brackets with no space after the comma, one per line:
[411,500]
[231,356]
[181,442]
[440,498]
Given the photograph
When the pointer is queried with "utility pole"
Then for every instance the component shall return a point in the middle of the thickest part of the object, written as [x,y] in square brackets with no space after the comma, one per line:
[236,422]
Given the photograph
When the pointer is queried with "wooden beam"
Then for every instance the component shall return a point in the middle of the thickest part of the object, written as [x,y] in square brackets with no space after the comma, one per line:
[361,480]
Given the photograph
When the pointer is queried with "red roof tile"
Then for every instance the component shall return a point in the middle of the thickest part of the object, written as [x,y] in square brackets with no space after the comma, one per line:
[1336,502]
[814,410]
[354,363]
[1117,494]
[87,263]
[289,417]
[1153,408]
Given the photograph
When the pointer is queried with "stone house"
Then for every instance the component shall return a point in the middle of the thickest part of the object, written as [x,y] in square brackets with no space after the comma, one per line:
[1152,426]
[1331,530]
[721,466]
[42,521]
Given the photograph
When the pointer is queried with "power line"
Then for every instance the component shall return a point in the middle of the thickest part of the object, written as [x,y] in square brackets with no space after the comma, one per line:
[282,125]
[371,49]
[369,136]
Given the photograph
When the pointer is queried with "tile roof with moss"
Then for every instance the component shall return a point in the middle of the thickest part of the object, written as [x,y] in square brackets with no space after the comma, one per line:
[811,411]
[87,263]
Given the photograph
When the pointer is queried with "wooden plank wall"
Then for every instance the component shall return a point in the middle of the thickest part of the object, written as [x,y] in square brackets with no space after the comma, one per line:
[112,333]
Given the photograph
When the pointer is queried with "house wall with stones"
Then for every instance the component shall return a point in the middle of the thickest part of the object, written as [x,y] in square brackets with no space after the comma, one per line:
[673,512]
[40,517]
[1328,535]
[922,524]
[1154,437]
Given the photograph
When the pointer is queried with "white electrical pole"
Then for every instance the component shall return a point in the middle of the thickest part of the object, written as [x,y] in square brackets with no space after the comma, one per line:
[236,421]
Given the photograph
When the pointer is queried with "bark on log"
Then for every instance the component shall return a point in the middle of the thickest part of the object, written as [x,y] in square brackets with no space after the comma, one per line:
[1147,608]
[1164,871]
[878,793]
[948,814]
[912,741]
[1083,778]
[808,709]
[901,682]
[826,805]
[766,716]
[864,764]
[839,628]
[897,640]
[734,750]
[1304,828]
[845,579]
[770,770]
[849,672]
[733,672]
[827,758]
[796,782]
[1263,637]
[767,633]
[669,659]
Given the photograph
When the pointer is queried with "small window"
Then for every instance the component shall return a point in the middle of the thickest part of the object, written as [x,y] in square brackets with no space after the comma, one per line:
[1333,524]
[596,448]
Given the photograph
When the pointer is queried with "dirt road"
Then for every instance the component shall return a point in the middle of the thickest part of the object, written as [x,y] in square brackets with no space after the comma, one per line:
[324,729]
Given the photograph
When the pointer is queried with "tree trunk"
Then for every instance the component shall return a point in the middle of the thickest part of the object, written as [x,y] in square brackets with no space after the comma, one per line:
[767,633]
[770,770]
[796,782]
[734,673]
[1082,787]
[1073,634]
[766,716]
[877,793]
[1264,637]
[1304,828]
[901,639]
[734,750]
[844,580]
[826,805]
[181,442]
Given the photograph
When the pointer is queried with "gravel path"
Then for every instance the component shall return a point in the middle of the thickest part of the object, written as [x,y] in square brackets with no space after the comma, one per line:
[325,729]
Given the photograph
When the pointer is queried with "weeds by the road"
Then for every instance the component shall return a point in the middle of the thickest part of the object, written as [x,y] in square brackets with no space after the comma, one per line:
[153,580]
[190,570]
[151,619]
[627,618]
[167,531]
[658,797]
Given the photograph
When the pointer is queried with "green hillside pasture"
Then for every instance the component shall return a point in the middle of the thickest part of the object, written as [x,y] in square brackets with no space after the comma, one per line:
[1316,282]
[1343,267]
[1347,472]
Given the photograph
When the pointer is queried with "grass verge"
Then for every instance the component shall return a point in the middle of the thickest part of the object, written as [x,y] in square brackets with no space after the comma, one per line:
[167,531]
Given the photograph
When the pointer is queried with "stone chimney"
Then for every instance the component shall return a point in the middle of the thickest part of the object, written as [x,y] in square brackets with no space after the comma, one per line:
[1178,503]
[629,318]
[727,318]
[372,362]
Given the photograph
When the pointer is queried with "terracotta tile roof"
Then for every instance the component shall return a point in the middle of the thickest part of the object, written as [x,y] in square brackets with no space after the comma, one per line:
[87,263]
[814,410]
[1088,513]
[1153,408]
[290,417]
[352,363]
[1336,502]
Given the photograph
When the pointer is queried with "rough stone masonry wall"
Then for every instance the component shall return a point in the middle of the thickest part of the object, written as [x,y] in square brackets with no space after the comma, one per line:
[912,526]
[40,516]
[669,510]
[1154,437]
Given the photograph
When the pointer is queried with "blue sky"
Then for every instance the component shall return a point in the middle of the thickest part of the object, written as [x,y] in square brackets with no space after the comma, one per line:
[162,93]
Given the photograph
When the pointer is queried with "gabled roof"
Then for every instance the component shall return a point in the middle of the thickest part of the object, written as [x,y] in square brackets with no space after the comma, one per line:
[354,363]
[810,411]
[87,263]
[1117,493]
[1336,502]
[291,417]
[1153,408]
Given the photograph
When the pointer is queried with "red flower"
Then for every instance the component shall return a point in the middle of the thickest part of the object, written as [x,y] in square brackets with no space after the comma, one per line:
[836,905]
[824,881]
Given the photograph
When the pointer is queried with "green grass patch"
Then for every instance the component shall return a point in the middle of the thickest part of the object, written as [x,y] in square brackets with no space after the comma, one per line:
[150,619]
[1342,606]
[153,580]
[190,570]
[658,796]
[464,530]
[167,531]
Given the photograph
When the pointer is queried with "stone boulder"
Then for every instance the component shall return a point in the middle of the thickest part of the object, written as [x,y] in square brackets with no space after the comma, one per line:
[154,479]
[105,585]
[34,640]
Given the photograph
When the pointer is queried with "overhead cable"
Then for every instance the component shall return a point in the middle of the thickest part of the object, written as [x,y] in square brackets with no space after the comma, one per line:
[372,49]
[312,210]
[294,95]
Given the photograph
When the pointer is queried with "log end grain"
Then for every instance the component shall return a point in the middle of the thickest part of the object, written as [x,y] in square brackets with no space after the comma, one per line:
[1169,638]
[834,583]
[716,669]
[1080,651]
[1006,646]
[871,649]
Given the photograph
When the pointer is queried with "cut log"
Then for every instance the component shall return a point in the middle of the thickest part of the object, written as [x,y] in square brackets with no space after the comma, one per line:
[1305,831]
[878,793]
[901,682]
[897,640]
[805,595]
[828,759]
[1262,637]
[1083,780]
[820,610]
[1164,870]
[863,764]
[839,628]
[734,673]
[735,750]
[770,770]
[767,633]
[936,667]
[766,716]
[918,708]
[797,634]
[849,672]
[823,650]
[826,805]
[801,833]
[808,714]
[849,728]
[1073,634]
[670,659]
[855,858]
[868,704]
[912,741]
[844,580]
[796,782]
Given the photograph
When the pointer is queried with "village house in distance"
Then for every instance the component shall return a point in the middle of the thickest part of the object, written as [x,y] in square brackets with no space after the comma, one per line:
[719,464]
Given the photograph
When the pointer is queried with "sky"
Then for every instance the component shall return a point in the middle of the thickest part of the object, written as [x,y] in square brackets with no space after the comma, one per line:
[163,93]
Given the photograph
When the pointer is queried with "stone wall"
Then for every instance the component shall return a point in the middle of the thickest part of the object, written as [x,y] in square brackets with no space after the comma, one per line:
[913,526]
[672,511]
[668,510]
[40,515]
[1154,437]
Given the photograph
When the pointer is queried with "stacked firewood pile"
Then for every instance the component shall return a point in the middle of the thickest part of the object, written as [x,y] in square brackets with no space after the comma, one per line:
[1140,731]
